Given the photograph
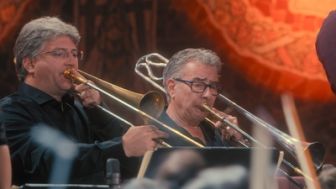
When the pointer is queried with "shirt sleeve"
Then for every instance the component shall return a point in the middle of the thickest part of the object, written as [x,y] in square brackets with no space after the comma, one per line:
[103,124]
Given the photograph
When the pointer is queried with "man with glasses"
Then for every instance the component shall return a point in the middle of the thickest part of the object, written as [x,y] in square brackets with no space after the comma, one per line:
[191,79]
[44,49]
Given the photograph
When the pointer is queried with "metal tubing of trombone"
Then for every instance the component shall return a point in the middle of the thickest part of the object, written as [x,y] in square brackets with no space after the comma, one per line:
[231,125]
[256,119]
[213,123]
[299,185]
[115,115]
[149,80]
[285,140]
[163,143]
[145,62]
[69,74]
[296,169]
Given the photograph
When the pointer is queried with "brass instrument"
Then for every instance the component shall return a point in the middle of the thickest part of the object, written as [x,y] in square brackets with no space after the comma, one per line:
[121,95]
[316,149]
[151,102]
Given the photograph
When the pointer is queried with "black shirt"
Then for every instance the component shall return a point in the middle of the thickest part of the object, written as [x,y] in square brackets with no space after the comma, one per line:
[3,139]
[211,135]
[97,136]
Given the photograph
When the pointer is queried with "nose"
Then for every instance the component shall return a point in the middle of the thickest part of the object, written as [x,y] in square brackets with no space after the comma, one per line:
[207,92]
[71,61]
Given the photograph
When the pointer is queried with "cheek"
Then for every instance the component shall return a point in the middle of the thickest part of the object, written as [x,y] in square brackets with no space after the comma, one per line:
[42,71]
[182,98]
[212,100]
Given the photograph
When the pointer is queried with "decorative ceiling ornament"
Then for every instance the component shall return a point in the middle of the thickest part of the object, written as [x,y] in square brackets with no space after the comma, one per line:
[271,43]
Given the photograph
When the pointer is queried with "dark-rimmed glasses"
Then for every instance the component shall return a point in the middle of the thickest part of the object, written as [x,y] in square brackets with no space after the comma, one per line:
[63,54]
[200,86]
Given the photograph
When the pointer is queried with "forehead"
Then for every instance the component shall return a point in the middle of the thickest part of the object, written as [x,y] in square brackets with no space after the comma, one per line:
[60,42]
[194,69]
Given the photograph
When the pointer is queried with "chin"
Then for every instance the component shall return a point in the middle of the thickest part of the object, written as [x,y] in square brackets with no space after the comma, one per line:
[66,86]
[201,114]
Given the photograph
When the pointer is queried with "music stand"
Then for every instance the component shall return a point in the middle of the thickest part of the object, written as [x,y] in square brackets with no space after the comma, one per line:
[187,162]
[56,186]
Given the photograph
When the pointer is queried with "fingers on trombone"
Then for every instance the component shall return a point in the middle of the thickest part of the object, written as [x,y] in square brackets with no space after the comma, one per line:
[226,116]
[156,135]
[80,87]
[229,133]
[232,119]
[81,90]
[153,146]
[226,136]
[160,144]
[156,144]
[89,96]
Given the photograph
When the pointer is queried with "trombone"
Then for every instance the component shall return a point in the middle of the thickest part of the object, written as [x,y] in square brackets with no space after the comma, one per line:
[287,142]
[145,101]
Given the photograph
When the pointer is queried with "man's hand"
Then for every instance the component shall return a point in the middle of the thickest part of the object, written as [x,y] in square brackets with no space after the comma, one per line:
[140,139]
[228,133]
[89,97]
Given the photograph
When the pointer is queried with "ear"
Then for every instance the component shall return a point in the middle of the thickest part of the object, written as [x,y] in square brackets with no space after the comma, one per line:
[171,88]
[28,65]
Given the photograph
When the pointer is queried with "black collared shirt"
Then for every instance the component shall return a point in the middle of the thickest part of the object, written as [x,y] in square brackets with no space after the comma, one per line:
[96,135]
[3,139]
[211,135]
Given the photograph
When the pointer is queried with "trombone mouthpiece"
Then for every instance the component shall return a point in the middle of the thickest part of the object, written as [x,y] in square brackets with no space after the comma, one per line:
[76,78]
[206,107]
[67,73]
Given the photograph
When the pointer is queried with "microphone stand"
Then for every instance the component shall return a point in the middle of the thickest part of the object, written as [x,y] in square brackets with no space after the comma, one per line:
[113,173]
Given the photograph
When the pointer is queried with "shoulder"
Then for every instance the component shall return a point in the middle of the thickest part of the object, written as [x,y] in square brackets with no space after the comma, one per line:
[14,102]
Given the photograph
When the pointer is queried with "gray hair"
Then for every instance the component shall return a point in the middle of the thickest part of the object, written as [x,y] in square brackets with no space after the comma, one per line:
[176,63]
[34,34]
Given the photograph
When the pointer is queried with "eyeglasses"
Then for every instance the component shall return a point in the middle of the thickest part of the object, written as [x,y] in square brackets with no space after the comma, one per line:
[200,86]
[63,54]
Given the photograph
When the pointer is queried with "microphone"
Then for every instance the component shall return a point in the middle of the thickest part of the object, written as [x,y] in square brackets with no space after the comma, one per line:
[113,173]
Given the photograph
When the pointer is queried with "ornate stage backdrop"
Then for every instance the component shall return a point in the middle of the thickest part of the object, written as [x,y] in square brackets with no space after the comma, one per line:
[267,46]
[271,43]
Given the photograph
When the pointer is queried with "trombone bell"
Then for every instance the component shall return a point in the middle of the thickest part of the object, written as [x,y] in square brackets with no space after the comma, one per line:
[152,102]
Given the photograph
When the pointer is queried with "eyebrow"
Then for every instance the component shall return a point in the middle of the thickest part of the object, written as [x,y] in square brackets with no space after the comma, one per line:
[64,49]
[203,80]
[199,79]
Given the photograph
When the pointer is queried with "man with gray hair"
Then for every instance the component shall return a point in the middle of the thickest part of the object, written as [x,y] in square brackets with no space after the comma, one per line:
[44,49]
[191,79]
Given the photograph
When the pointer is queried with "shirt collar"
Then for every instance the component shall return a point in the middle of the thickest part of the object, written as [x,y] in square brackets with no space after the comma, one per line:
[39,96]
[206,128]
